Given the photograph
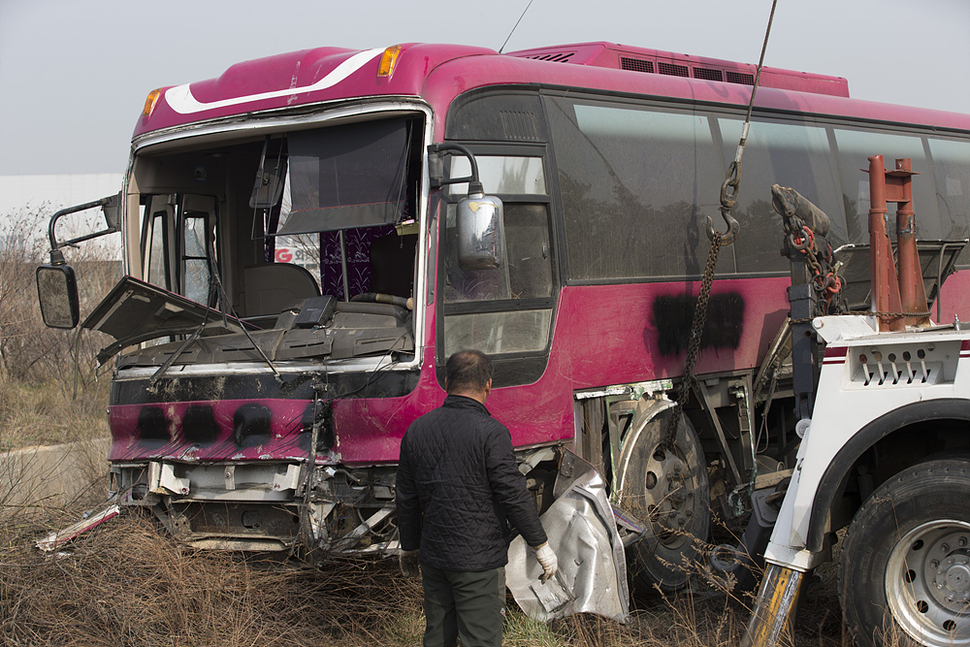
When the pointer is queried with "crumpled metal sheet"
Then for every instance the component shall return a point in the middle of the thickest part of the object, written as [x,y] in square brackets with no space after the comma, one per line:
[592,567]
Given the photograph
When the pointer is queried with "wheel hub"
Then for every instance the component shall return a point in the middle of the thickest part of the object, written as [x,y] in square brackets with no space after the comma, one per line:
[670,496]
[951,578]
[928,583]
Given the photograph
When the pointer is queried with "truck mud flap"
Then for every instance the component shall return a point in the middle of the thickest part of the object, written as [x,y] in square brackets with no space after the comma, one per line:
[582,529]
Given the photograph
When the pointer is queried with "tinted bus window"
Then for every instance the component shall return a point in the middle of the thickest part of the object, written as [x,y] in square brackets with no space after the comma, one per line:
[501,174]
[507,309]
[951,166]
[791,154]
[636,186]
[855,148]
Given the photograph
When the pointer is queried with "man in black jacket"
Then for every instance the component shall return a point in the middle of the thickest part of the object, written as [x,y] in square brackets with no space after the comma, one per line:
[458,489]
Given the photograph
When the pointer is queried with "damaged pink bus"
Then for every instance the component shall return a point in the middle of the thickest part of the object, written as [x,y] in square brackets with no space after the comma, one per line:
[309,236]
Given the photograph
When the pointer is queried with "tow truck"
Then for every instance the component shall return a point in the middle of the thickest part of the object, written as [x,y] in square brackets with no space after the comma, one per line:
[884,448]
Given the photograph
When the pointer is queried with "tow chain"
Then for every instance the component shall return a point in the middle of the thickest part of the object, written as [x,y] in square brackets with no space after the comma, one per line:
[876,313]
[825,279]
[694,342]
[729,195]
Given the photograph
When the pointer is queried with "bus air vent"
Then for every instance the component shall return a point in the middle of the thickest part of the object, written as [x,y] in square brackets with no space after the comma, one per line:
[519,125]
[739,77]
[641,59]
[558,57]
[708,74]
[672,70]
[636,64]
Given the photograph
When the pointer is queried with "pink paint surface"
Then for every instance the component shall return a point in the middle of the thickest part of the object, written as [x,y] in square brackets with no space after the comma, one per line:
[604,335]
[438,73]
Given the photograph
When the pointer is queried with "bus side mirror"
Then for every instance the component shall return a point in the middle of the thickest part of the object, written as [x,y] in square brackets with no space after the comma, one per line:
[479,220]
[481,231]
[57,292]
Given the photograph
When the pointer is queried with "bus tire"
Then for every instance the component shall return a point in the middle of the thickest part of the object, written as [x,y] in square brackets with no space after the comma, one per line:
[669,491]
[904,572]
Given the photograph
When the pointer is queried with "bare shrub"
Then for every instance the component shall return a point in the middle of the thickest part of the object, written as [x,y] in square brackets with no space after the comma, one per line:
[124,584]
[51,390]
[29,351]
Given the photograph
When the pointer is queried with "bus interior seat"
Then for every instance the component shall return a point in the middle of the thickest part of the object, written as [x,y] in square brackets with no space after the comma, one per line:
[392,265]
[270,289]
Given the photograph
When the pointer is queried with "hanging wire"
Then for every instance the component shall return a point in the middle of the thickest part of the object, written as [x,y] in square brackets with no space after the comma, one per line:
[515,27]
[732,180]
[754,91]
[729,193]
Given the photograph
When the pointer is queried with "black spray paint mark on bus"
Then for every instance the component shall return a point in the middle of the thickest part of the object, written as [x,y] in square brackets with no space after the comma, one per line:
[673,316]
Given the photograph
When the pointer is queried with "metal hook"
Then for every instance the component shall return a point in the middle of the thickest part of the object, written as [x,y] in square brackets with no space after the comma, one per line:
[734,228]
[729,195]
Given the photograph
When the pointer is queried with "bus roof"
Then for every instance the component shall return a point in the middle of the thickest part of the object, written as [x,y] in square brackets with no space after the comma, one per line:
[651,61]
[438,73]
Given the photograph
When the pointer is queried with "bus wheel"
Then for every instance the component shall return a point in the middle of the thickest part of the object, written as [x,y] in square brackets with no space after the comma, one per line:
[667,489]
[905,566]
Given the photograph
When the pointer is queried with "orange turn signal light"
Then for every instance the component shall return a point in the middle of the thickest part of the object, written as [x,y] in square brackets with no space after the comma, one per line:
[150,102]
[388,61]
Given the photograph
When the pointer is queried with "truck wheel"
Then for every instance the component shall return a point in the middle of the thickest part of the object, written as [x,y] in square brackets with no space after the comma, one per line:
[668,490]
[905,563]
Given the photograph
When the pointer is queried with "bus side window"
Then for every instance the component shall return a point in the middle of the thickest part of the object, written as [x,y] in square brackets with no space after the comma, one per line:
[855,148]
[636,186]
[793,154]
[528,250]
[951,169]
[198,224]
[157,242]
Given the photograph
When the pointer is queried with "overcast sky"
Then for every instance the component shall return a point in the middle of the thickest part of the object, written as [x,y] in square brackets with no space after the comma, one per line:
[74,73]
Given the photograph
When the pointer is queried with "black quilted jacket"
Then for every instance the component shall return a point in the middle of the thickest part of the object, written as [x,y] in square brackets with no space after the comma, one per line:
[458,489]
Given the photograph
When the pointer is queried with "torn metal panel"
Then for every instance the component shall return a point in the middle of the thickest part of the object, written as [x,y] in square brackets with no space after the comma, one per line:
[135,311]
[347,542]
[57,539]
[582,531]
[162,479]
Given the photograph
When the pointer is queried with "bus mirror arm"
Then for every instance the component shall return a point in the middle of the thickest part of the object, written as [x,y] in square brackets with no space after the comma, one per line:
[111,207]
[56,282]
[436,165]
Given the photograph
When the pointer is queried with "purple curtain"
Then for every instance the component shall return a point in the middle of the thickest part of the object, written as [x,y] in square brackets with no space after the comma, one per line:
[358,242]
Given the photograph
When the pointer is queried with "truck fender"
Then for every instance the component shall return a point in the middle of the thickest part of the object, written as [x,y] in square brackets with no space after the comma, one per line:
[838,471]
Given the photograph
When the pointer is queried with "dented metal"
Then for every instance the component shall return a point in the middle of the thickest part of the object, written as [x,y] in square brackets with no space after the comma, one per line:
[582,529]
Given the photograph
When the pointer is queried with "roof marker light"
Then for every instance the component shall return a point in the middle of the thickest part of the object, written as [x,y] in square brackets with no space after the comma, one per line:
[388,61]
[150,102]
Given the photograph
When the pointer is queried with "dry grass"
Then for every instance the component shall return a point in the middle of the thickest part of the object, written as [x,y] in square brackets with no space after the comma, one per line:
[50,413]
[127,584]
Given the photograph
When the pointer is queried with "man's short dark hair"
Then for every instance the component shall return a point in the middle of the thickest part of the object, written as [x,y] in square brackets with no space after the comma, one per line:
[468,370]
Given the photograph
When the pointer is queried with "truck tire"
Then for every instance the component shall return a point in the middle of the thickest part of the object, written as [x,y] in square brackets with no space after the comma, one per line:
[669,491]
[905,565]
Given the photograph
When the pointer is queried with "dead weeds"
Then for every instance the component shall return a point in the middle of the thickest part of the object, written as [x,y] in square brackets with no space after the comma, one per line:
[125,583]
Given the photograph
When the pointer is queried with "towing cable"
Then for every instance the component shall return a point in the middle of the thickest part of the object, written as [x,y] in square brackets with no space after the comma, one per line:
[729,197]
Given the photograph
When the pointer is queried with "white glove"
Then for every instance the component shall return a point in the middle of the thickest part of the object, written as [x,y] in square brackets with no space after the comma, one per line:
[548,560]
[408,559]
